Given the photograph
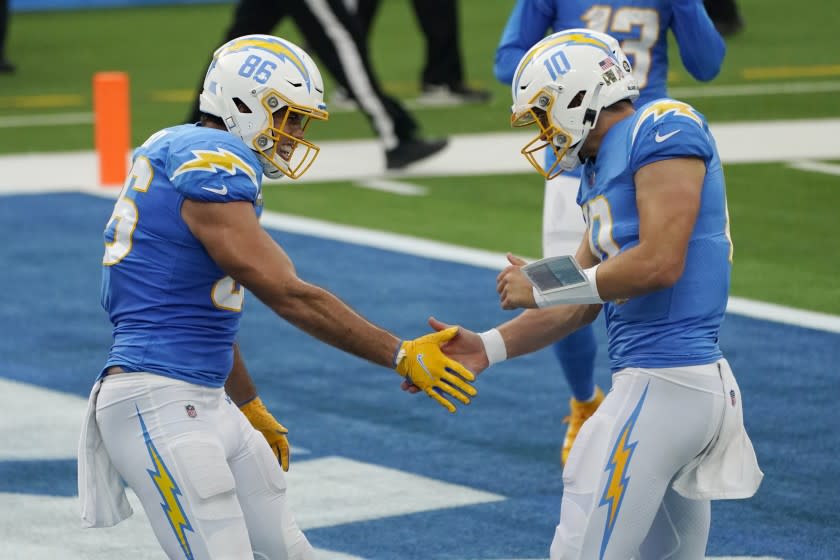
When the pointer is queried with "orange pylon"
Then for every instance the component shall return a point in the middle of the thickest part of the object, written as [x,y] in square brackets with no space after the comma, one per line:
[112,125]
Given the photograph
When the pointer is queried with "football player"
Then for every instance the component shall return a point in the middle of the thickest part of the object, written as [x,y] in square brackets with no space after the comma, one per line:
[174,412]
[641,27]
[656,257]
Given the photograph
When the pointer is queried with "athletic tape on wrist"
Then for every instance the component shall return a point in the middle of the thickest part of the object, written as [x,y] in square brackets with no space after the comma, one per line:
[494,346]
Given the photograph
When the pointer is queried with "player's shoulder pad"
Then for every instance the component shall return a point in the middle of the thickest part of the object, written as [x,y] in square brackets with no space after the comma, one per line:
[667,129]
[213,165]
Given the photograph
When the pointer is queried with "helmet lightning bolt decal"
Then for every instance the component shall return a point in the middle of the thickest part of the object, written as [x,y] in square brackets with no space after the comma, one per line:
[213,160]
[619,478]
[169,492]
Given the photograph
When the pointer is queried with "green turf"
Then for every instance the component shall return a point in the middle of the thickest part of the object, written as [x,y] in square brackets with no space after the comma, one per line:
[783,221]
[165,48]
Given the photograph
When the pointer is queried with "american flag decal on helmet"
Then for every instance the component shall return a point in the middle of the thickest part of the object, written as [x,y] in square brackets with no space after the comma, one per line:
[606,63]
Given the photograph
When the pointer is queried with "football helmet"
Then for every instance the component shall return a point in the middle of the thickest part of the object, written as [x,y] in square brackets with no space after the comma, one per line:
[561,85]
[253,77]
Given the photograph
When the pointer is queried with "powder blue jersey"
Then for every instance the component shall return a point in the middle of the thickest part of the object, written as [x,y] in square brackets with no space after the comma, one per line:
[640,26]
[174,311]
[679,325]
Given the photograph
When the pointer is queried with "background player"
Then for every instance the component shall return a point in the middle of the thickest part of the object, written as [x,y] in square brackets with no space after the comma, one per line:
[657,254]
[641,27]
[182,243]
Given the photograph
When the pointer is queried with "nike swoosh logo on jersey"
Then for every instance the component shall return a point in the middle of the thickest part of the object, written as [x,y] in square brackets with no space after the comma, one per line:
[664,137]
[223,191]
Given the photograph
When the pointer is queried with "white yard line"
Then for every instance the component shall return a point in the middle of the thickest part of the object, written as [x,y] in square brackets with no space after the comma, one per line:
[816,167]
[55,119]
[393,187]
[741,90]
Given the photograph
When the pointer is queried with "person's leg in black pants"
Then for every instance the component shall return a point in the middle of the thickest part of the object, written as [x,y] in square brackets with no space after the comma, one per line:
[442,79]
[365,14]
[438,20]
[725,15]
[335,38]
[5,65]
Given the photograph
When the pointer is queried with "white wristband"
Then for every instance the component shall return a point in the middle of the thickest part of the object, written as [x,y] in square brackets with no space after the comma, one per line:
[494,346]
[591,274]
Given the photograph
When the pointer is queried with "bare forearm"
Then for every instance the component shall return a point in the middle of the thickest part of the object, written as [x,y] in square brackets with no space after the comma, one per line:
[239,385]
[537,328]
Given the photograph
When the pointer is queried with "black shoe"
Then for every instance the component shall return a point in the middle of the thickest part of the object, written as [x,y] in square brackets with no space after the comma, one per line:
[410,151]
[452,94]
[6,67]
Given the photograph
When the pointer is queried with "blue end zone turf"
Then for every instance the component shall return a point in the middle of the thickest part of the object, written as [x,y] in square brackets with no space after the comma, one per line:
[507,442]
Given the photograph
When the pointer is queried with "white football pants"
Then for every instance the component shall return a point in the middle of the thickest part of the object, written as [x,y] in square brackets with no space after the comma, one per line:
[617,502]
[562,225]
[208,481]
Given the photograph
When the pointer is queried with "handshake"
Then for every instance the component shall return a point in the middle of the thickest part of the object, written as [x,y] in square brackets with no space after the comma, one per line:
[426,367]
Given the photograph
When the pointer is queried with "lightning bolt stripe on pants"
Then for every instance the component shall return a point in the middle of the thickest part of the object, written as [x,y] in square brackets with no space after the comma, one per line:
[617,466]
[169,492]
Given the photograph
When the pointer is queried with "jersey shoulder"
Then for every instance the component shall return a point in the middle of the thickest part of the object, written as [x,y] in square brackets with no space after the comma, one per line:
[667,128]
[212,165]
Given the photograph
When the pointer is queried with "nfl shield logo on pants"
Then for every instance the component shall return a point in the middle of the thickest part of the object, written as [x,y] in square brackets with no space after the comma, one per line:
[191,411]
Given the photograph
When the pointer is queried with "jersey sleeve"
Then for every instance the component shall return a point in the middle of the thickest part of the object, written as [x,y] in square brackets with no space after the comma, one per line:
[701,47]
[526,25]
[213,166]
[669,129]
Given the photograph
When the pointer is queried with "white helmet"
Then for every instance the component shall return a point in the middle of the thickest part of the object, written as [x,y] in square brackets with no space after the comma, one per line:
[251,78]
[561,84]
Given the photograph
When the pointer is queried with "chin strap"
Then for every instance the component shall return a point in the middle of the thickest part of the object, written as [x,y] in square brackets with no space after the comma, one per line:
[269,168]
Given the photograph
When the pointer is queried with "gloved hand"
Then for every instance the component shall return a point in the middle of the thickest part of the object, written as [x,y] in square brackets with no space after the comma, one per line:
[273,431]
[423,363]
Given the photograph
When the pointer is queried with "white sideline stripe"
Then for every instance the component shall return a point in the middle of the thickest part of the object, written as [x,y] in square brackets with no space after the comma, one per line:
[335,490]
[63,412]
[466,154]
[49,527]
[776,88]
[395,187]
[816,166]
[496,261]
[46,120]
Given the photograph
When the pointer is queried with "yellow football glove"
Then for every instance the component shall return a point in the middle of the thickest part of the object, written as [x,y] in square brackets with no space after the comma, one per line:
[424,364]
[273,431]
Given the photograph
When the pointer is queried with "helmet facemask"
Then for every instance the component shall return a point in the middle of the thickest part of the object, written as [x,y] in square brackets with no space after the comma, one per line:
[281,152]
[563,142]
